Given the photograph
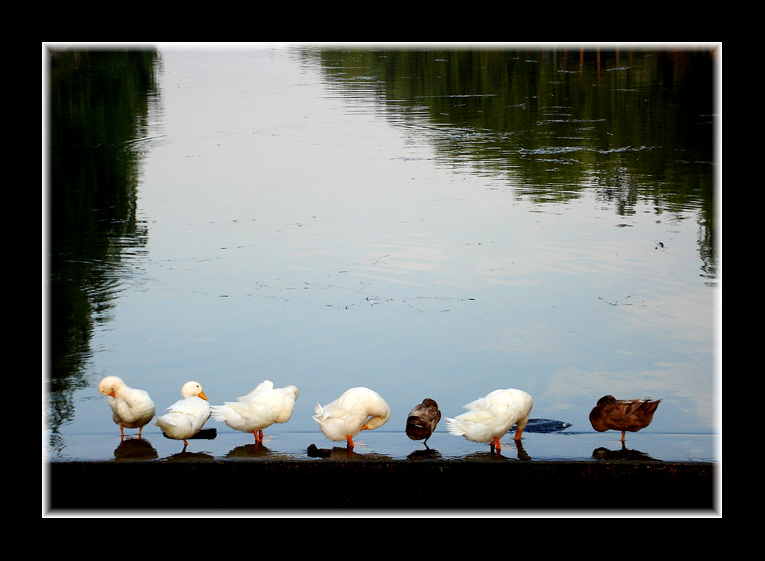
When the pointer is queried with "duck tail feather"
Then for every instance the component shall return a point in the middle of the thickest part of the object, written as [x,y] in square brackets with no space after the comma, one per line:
[320,414]
[452,428]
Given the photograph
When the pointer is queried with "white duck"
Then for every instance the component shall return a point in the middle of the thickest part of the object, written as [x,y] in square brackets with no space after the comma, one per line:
[187,416]
[131,408]
[356,410]
[490,417]
[259,409]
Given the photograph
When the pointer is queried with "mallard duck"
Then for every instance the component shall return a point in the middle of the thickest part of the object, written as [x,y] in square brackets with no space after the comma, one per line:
[490,417]
[356,410]
[422,420]
[259,409]
[622,414]
[187,416]
[131,408]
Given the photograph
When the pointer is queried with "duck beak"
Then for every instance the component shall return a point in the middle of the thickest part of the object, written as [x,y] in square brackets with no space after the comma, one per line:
[112,395]
[203,396]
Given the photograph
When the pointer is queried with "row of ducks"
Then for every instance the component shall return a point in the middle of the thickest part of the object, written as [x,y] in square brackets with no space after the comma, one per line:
[358,409]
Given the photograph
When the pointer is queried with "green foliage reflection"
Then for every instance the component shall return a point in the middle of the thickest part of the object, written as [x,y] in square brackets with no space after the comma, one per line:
[629,125]
[98,103]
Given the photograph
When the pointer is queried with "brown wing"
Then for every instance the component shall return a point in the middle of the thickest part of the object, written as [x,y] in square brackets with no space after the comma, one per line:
[422,420]
[622,415]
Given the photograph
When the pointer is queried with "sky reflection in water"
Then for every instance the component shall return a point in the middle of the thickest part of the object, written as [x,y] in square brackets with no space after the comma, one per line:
[301,232]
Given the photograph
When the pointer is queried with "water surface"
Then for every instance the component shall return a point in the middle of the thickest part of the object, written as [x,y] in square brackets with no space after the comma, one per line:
[425,223]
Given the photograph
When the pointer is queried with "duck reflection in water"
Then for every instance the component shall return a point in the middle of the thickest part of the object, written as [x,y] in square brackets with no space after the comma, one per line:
[135,448]
[259,450]
[497,453]
[343,453]
[184,456]
[624,454]
[203,434]
[427,454]
[422,420]
[521,453]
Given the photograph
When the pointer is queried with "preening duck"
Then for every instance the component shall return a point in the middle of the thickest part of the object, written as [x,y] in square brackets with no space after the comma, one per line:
[259,409]
[622,414]
[356,410]
[422,420]
[490,417]
[131,408]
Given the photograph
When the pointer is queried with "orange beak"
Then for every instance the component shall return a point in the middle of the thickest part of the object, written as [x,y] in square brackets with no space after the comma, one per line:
[112,395]
[203,396]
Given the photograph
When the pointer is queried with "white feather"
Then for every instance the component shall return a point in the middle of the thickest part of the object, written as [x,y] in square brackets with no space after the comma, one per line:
[356,410]
[492,416]
[131,408]
[186,416]
[259,409]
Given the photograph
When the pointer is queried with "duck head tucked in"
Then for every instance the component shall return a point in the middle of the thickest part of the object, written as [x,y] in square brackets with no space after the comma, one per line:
[422,420]
[356,410]
[491,416]
[622,414]
[259,409]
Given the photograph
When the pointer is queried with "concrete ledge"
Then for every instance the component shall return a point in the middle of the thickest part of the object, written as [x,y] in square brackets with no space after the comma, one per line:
[400,485]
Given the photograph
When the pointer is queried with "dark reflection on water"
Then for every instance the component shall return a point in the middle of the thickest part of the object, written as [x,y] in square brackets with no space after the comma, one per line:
[98,105]
[427,454]
[621,454]
[629,125]
[344,453]
[514,451]
[135,448]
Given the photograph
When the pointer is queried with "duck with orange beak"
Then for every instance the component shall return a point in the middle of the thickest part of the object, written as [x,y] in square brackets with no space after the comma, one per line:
[186,416]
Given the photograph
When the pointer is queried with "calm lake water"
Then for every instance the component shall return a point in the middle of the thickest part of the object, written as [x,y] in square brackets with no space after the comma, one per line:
[425,223]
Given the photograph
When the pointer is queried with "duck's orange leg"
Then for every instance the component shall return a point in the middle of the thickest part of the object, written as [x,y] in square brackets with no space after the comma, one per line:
[122,432]
[623,433]
[349,439]
[495,444]
[518,433]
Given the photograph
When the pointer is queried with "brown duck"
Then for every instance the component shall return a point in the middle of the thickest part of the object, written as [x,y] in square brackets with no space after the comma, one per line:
[622,414]
[422,420]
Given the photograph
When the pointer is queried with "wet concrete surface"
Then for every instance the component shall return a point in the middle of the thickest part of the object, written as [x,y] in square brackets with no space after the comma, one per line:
[381,484]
